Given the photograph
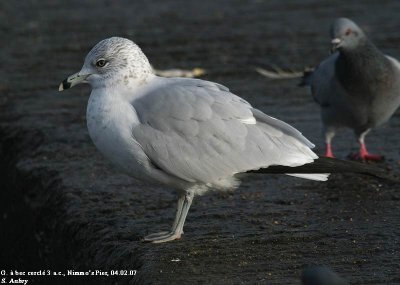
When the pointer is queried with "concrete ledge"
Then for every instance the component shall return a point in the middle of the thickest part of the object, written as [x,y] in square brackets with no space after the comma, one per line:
[87,217]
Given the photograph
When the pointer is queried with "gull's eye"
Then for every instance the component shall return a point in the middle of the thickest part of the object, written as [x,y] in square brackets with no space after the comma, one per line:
[101,62]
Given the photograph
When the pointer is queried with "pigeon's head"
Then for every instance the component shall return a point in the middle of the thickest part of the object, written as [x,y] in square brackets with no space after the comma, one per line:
[345,34]
[321,275]
[113,60]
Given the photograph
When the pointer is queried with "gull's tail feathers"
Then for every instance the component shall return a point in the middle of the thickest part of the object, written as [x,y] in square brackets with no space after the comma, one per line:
[325,165]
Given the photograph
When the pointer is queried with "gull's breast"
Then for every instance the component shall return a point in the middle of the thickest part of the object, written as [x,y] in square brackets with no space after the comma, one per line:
[110,120]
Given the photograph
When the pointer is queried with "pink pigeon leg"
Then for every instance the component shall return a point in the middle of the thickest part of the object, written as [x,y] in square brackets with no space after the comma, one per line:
[329,133]
[328,151]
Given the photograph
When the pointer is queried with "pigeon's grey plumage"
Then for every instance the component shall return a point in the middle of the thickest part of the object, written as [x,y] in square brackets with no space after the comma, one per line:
[357,86]
[190,134]
[321,275]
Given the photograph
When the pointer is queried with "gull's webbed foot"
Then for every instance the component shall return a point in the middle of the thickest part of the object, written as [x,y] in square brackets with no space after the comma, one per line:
[162,237]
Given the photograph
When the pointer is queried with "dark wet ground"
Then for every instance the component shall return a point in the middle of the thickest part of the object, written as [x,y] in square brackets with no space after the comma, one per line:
[82,214]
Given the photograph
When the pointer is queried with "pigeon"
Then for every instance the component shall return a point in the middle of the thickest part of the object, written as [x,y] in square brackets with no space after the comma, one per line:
[357,86]
[191,135]
[321,275]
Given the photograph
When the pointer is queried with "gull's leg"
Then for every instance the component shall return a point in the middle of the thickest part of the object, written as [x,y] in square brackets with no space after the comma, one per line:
[329,134]
[184,212]
[363,153]
[184,203]
[179,207]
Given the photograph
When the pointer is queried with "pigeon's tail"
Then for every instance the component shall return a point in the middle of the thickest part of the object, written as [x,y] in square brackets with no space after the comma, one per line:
[306,78]
[331,165]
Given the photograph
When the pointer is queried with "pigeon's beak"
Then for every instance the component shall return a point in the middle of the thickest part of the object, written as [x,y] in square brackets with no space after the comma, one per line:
[336,42]
[73,80]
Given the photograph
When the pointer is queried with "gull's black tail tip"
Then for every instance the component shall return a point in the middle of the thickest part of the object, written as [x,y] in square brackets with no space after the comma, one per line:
[345,166]
[333,165]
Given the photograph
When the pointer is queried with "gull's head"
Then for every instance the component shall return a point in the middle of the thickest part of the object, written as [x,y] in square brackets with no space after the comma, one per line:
[345,34]
[112,61]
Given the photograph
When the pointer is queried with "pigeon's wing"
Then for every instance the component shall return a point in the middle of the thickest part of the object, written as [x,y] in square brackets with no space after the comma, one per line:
[200,132]
[324,85]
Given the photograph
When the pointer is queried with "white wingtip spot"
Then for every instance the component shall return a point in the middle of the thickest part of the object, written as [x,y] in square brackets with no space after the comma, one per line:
[316,177]
[249,121]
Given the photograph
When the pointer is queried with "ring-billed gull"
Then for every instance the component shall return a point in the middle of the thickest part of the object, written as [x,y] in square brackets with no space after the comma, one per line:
[191,134]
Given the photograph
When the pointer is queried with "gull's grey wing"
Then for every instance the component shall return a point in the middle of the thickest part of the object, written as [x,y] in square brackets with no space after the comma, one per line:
[200,132]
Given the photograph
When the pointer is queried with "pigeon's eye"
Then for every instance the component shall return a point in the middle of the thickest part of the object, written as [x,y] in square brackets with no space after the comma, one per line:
[348,32]
[101,62]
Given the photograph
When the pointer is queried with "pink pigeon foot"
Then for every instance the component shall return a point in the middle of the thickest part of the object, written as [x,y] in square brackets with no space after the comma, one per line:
[364,155]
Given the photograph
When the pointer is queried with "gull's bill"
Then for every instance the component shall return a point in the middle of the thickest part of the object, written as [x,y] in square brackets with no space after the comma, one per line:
[73,80]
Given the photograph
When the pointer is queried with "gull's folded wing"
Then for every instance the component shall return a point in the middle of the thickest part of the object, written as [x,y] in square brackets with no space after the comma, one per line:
[200,132]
